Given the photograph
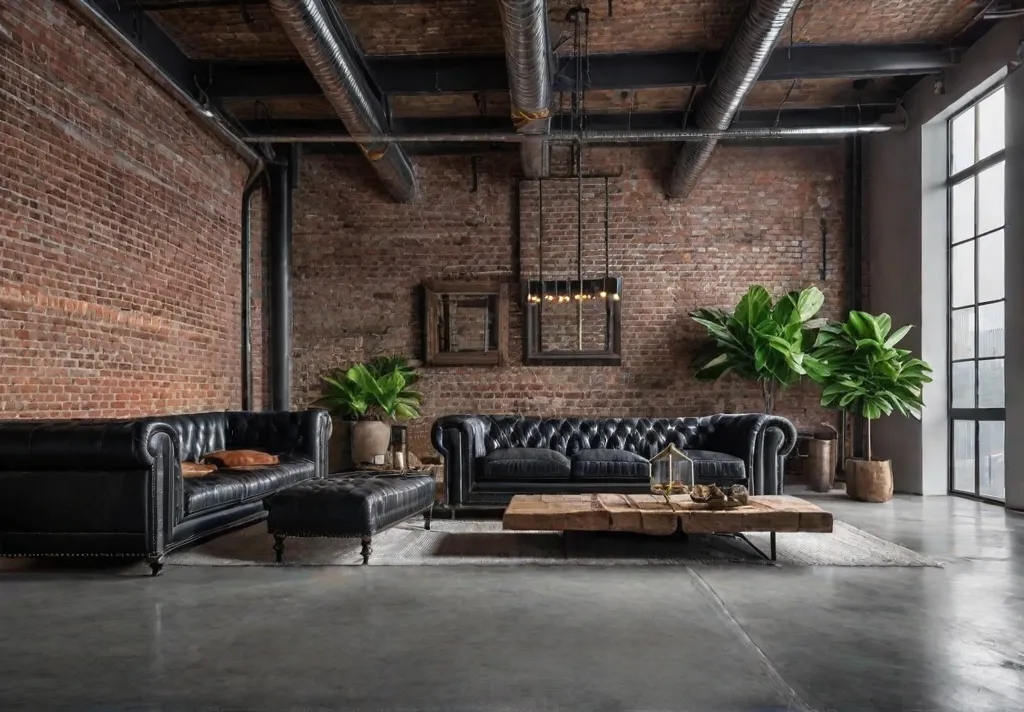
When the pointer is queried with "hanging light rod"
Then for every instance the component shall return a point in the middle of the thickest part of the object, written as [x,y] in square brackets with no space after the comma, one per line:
[587,136]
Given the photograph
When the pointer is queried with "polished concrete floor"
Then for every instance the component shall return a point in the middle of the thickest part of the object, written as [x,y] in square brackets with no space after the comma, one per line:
[589,638]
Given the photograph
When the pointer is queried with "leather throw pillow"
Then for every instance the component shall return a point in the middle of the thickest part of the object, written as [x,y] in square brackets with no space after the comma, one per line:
[195,469]
[240,458]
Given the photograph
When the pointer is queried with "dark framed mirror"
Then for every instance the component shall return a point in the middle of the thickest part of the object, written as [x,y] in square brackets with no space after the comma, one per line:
[573,322]
[465,323]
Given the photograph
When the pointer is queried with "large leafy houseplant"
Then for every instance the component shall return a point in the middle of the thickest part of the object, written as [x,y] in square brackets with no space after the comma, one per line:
[373,394]
[380,389]
[866,373]
[763,342]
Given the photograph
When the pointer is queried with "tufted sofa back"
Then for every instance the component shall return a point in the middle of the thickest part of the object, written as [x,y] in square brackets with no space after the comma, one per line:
[644,436]
[202,433]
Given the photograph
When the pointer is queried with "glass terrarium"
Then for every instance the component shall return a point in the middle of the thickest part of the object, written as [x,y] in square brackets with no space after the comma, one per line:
[671,472]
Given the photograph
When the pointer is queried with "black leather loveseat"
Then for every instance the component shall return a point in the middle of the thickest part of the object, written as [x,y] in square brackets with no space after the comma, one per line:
[114,487]
[490,458]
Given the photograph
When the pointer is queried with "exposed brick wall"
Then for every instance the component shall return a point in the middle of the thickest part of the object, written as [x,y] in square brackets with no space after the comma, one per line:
[119,233]
[359,259]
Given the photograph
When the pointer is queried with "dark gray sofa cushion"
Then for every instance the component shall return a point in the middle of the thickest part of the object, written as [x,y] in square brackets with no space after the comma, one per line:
[607,464]
[243,484]
[714,467]
[525,464]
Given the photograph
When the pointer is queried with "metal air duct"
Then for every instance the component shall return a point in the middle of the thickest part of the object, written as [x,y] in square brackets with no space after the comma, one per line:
[527,56]
[738,70]
[312,26]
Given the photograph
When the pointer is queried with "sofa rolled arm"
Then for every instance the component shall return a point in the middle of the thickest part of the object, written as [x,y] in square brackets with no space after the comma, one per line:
[762,441]
[69,445]
[778,439]
[460,440]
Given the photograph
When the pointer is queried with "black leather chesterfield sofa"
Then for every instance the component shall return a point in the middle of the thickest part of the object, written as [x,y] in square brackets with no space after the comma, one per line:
[491,458]
[114,487]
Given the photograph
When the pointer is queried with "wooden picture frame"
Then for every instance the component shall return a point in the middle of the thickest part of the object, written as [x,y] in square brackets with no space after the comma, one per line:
[438,298]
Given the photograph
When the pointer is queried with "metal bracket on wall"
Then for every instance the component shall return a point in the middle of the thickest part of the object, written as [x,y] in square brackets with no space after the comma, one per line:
[824,245]
[473,164]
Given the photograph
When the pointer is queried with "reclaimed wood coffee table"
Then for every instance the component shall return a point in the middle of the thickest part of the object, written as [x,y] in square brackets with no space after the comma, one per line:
[649,514]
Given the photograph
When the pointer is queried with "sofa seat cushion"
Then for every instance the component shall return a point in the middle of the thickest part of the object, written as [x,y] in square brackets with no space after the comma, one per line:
[525,464]
[599,464]
[715,467]
[230,487]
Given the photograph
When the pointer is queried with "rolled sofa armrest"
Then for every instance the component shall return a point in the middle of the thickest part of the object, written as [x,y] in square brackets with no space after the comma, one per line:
[460,439]
[66,483]
[762,441]
[75,445]
[305,433]
[778,440]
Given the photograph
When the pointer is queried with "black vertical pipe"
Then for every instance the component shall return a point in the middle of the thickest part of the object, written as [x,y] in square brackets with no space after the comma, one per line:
[280,249]
[251,189]
[854,259]
[858,263]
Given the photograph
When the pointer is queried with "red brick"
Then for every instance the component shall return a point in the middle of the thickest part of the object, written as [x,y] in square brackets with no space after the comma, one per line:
[119,234]
[359,259]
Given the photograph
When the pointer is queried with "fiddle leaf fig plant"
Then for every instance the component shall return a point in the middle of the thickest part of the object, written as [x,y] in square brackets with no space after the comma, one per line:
[866,373]
[763,341]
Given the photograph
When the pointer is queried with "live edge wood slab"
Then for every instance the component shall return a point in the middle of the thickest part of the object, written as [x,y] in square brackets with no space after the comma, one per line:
[648,514]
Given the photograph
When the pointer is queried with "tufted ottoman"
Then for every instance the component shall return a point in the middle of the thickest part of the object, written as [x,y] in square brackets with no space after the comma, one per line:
[348,505]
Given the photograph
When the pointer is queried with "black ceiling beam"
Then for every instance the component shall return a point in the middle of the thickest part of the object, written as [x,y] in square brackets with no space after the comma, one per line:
[152,41]
[753,118]
[631,70]
[171,5]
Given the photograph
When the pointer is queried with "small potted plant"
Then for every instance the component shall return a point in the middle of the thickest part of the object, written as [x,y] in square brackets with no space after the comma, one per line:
[763,342]
[868,375]
[373,395]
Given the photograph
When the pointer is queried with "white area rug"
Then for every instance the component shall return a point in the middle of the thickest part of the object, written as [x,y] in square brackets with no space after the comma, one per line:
[484,543]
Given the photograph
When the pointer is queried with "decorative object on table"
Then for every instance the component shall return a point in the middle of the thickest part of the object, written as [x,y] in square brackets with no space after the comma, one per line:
[716,498]
[373,394]
[763,342]
[465,323]
[868,375]
[399,447]
[671,472]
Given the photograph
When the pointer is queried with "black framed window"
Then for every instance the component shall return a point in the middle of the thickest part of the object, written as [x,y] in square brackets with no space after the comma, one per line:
[977,303]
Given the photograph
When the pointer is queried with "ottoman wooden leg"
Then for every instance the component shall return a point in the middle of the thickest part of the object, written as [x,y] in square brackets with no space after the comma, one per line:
[278,547]
[426,518]
[156,563]
[366,549]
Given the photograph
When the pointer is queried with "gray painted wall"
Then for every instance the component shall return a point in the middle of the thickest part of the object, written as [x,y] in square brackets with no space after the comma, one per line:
[905,223]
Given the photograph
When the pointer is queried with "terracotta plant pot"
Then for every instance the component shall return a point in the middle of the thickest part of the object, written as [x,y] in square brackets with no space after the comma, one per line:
[868,480]
[340,449]
[370,441]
